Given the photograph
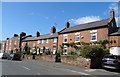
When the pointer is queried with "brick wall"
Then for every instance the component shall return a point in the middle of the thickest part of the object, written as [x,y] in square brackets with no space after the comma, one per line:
[13,46]
[102,34]
[117,41]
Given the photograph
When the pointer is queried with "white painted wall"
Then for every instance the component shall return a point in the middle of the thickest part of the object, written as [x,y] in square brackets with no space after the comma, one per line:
[115,50]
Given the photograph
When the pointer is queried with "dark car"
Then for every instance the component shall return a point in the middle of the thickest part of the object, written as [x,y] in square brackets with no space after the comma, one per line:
[16,56]
[111,62]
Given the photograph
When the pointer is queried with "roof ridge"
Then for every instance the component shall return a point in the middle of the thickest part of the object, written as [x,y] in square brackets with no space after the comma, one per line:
[90,22]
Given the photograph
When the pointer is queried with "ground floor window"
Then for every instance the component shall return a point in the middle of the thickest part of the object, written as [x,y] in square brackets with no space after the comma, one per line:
[64,50]
[54,49]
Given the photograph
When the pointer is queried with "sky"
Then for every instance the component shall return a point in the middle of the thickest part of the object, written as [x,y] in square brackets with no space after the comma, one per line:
[30,17]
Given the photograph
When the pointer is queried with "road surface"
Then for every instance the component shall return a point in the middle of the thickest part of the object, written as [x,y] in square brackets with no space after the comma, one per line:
[39,67]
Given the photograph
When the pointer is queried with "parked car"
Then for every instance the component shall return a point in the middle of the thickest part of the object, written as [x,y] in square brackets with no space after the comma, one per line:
[11,56]
[4,56]
[15,56]
[111,62]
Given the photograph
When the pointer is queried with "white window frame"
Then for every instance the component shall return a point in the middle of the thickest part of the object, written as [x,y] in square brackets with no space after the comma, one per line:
[65,38]
[92,32]
[42,41]
[34,44]
[46,40]
[38,41]
[65,48]
[77,36]
[54,40]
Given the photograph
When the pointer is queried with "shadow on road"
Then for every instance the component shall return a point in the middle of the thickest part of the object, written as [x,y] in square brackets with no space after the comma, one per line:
[113,70]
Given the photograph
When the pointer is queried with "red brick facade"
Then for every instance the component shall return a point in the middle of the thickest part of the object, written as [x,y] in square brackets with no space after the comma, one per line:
[89,32]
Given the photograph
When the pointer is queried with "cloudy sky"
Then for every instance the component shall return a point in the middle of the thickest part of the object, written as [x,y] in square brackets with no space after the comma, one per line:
[31,17]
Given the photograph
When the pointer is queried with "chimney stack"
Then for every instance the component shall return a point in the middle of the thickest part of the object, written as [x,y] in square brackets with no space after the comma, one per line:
[7,38]
[53,29]
[15,35]
[22,34]
[37,34]
[112,14]
[67,24]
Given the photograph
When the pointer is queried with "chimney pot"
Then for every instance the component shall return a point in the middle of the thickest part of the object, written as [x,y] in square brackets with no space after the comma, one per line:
[53,29]
[22,34]
[112,14]
[15,35]
[67,24]
[37,34]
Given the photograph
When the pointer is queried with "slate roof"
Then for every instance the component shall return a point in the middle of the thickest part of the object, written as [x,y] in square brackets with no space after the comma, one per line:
[46,36]
[85,26]
[117,32]
[14,38]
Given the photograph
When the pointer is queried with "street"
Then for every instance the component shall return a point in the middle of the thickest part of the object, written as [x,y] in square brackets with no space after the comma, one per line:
[39,67]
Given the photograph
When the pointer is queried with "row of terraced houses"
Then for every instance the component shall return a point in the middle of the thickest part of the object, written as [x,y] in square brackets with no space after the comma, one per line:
[89,32]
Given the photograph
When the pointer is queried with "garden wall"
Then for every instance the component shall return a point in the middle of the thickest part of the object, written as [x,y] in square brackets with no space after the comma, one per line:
[71,60]
[77,61]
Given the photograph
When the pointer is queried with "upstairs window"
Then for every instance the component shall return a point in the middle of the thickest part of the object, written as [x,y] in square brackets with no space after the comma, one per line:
[93,35]
[55,40]
[77,37]
[65,38]
[42,41]
[38,42]
[46,40]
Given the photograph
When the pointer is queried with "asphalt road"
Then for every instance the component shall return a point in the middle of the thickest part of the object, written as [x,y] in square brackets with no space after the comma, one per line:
[38,67]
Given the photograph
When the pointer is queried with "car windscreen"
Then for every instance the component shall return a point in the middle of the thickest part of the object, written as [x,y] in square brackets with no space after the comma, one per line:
[111,57]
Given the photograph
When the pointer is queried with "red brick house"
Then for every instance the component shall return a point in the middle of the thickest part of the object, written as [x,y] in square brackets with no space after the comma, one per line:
[47,42]
[94,31]
[2,46]
[12,44]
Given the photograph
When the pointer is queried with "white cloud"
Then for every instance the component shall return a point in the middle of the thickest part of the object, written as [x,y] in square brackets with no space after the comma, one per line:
[84,19]
[114,6]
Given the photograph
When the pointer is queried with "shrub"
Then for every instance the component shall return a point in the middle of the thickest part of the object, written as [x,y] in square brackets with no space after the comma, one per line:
[26,49]
[11,52]
[94,51]
[71,53]
[58,57]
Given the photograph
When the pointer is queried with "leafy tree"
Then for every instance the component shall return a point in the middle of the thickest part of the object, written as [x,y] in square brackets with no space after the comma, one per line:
[27,49]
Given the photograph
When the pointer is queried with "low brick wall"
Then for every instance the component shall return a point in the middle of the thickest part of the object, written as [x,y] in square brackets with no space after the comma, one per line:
[72,60]
[29,57]
[77,61]
[50,58]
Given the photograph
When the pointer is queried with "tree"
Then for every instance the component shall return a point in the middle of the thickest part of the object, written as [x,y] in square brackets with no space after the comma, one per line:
[27,49]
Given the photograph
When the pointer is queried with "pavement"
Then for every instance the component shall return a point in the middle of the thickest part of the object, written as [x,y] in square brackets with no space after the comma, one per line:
[39,67]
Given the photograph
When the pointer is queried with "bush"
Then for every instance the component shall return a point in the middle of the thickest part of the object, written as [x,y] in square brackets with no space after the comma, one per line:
[94,51]
[58,57]
[71,53]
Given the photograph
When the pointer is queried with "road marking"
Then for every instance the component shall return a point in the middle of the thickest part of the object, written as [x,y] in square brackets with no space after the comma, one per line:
[16,61]
[78,72]
[57,67]
[25,67]
[90,70]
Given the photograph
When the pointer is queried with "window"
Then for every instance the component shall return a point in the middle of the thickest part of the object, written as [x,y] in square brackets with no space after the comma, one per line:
[42,41]
[65,38]
[77,37]
[15,42]
[46,40]
[38,41]
[33,44]
[55,40]
[65,50]
[93,35]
